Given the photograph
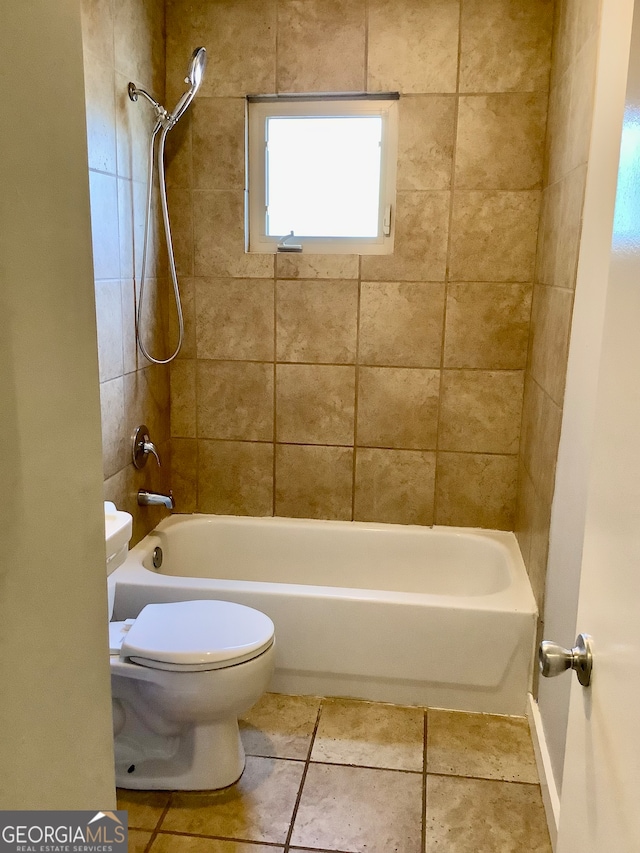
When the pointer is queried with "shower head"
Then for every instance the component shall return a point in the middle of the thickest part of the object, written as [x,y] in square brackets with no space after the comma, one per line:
[194,77]
[197,67]
[166,120]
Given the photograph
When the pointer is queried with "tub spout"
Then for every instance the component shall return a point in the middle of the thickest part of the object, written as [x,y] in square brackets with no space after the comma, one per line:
[146,498]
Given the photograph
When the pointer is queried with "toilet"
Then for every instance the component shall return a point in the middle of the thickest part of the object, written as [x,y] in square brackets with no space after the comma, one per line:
[181,674]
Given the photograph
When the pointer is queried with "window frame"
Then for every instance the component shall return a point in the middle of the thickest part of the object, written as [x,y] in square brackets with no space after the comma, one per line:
[262,108]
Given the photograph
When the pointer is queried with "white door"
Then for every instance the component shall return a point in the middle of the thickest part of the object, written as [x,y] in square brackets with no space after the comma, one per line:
[600,804]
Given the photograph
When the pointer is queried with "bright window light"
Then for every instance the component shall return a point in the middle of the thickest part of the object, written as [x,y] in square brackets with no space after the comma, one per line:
[324,169]
[323,176]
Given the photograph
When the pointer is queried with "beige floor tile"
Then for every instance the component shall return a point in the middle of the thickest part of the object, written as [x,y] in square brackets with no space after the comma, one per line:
[370,734]
[138,840]
[144,807]
[167,843]
[257,808]
[280,726]
[484,816]
[358,809]
[480,745]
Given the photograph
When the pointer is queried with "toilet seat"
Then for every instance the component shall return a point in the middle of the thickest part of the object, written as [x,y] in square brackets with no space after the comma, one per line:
[197,636]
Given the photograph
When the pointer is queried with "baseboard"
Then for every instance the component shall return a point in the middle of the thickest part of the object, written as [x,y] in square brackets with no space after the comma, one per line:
[550,796]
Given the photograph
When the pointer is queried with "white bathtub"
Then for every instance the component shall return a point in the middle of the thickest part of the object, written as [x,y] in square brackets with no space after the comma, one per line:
[437,616]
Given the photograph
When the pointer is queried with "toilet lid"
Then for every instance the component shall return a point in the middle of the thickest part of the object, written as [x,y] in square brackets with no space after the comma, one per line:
[197,635]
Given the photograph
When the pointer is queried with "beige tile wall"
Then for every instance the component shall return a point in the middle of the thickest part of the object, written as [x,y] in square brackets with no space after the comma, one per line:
[376,388]
[124,40]
[566,155]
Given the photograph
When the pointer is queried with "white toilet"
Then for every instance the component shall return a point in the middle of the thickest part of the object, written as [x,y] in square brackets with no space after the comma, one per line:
[181,674]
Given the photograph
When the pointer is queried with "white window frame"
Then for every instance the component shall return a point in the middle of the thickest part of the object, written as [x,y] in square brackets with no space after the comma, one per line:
[262,108]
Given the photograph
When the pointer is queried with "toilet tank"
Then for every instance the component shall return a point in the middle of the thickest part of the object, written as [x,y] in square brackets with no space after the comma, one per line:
[118,527]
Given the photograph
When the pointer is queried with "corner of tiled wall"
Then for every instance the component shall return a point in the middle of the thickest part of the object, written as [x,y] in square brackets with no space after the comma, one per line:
[566,155]
[124,40]
[375,388]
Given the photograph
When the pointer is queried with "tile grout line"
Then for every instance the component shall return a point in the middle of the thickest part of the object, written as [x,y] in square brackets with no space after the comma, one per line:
[275,382]
[443,775]
[156,830]
[423,828]
[178,834]
[296,806]
[356,389]
[447,273]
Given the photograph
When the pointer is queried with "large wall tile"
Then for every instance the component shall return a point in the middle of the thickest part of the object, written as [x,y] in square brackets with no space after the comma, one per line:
[109,323]
[317,266]
[494,236]
[139,42]
[426,141]
[480,410]
[314,482]
[186,288]
[561,225]
[101,114]
[116,451]
[558,129]
[152,327]
[103,190]
[541,423]
[420,251]
[129,344]
[413,45]
[218,143]
[397,407]
[234,400]
[234,318]
[395,486]
[315,404]
[97,29]
[476,490]
[581,104]
[134,123]
[505,45]
[181,218]
[550,331]
[184,473]
[500,141]
[401,324]
[240,37]
[235,477]
[317,321]
[321,46]
[219,237]
[487,325]
[183,398]
[147,400]
[178,159]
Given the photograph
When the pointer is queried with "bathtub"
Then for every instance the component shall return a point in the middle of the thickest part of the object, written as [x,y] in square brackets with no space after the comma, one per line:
[437,616]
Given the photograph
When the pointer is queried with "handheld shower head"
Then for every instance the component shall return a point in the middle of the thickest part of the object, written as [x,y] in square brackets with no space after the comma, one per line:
[194,77]
[197,67]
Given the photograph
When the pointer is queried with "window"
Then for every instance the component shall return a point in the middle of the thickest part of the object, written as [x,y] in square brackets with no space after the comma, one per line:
[322,173]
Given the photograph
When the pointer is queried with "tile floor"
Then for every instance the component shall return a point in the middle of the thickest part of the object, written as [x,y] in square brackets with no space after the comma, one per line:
[358,777]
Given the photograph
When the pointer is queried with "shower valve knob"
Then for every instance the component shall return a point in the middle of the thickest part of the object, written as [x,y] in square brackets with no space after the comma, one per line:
[142,447]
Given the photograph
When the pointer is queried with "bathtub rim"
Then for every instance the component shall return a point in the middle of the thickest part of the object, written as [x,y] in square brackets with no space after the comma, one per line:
[517,596]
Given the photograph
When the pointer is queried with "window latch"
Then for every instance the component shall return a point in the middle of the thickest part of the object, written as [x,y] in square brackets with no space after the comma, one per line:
[386,222]
[283,246]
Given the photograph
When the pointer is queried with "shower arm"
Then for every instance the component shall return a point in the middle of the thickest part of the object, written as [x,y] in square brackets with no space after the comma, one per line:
[134,91]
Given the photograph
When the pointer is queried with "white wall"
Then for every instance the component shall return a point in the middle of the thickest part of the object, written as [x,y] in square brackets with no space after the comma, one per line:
[55,713]
[569,505]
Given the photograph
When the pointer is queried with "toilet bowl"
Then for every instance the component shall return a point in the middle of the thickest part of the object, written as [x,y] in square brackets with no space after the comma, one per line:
[181,674]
